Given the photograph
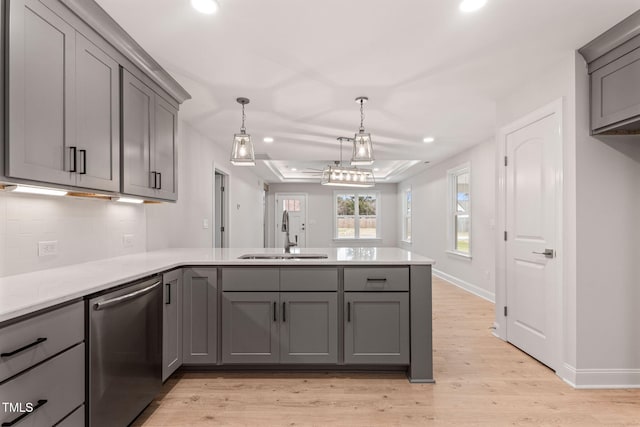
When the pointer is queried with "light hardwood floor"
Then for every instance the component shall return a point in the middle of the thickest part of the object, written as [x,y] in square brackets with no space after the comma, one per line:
[480,380]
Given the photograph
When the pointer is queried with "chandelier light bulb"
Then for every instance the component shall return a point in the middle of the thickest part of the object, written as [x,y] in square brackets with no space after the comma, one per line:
[243,150]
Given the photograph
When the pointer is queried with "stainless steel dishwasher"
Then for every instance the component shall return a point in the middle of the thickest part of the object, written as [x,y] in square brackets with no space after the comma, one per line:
[125,352]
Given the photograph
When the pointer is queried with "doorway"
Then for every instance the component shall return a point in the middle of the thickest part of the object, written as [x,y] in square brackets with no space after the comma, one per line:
[529,288]
[220,229]
[296,205]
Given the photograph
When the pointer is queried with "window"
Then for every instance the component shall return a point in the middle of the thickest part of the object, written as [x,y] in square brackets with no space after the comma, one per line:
[406,215]
[357,215]
[460,210]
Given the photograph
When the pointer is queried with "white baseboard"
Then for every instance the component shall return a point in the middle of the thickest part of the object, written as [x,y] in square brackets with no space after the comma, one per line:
[600,378]
[476,290]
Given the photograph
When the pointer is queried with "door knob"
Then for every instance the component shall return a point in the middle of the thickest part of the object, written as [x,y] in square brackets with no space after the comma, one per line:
[549,253]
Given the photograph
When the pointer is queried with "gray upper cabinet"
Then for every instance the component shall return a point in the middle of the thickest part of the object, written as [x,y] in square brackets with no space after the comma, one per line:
[172,323]
[199,328]
[250,327]
[98,117]
[149,131]
[309,327]
[63,103]
[41,76]
[376,328]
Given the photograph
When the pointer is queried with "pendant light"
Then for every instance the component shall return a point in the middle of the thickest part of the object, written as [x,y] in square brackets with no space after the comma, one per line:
[347,176]
[362,145]
[242,151]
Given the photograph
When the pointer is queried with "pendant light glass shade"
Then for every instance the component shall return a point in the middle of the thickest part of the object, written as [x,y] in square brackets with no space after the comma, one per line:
[345,176]
[362,145]
[242,153]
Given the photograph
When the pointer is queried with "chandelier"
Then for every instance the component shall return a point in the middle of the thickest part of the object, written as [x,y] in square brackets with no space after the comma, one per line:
[242,150]
[347,176]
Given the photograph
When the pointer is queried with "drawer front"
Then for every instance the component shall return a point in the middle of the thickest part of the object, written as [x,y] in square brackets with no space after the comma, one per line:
[251,279]
[376,279]
[308,279]
[57,384]
[75,419]
[39,338]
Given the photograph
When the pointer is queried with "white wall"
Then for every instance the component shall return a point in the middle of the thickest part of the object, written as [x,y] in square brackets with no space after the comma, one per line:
[608,253]
[174,225]
[86,230]
[429,219]
[320,214]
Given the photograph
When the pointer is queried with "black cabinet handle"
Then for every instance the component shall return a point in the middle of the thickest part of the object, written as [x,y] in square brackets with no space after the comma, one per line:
[28,346]
[275,308]
[348,312]
[284,311]
[154,179]
[40,403]
[376,279]
[73,159]
[168,285]
[83,156]
[159,187]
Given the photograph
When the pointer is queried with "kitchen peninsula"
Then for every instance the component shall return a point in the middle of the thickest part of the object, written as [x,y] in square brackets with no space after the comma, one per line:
[325,308]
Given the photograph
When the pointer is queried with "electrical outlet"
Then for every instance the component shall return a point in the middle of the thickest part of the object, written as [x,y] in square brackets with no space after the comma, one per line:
[205,223]
[127,240]
[48,248]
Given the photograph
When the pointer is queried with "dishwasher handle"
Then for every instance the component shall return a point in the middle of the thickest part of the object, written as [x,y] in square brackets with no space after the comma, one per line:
[108,303]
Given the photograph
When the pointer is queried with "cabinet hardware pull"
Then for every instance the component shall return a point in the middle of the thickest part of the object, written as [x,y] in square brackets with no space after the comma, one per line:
[83,156]
[73,158]
[104,304]
[376,279]
[275,308]
[168,285]
[26,347]
[284,311]
[159,181]
[40,403]
[153,178]
[348,312]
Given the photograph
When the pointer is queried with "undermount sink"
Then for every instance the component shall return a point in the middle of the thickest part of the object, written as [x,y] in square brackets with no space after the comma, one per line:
[283,256]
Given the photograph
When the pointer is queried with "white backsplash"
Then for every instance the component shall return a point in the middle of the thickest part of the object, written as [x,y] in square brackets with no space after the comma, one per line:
[85,230]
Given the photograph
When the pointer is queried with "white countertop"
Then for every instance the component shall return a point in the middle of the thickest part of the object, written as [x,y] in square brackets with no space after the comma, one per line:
[26,293]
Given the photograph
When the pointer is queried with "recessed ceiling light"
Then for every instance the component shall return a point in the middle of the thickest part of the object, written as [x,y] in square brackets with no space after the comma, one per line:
[268,139]
[294,169]
[428,139]
[376,169]
[472,5]
[208,7]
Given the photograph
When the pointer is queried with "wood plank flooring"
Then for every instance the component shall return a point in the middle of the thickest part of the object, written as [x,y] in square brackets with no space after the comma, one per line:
[480,381]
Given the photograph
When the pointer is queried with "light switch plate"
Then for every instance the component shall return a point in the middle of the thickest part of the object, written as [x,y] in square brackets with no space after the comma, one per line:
[205,223]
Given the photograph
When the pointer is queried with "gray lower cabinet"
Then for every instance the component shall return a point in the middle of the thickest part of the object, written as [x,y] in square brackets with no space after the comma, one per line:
[309,327]
[199,327]
[376,328]
[63,103]
[250,327]
[149,132]
[172,323]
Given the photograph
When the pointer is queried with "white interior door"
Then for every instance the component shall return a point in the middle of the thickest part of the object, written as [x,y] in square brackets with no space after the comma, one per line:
[296,205]
[532,199]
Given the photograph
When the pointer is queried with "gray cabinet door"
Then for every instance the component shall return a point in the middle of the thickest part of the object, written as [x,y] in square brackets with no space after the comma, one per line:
[199,333]
[172,323]
[250,327]
[137,137]
[376,328]
[615,91]
[309,327]
[41,82]
[98,117]
[166,149]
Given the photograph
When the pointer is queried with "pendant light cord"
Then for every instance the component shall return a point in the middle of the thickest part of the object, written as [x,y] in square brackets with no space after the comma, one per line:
[242,129]
[362,115]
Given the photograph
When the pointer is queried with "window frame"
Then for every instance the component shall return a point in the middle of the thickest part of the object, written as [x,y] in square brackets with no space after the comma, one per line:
[452,211]
[357,193]
[406,215]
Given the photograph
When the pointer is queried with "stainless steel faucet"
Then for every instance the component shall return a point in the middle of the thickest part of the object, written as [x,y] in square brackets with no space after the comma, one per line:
[285,227]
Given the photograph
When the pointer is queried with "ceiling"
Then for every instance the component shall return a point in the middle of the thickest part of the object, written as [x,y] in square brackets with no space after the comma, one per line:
[427,68]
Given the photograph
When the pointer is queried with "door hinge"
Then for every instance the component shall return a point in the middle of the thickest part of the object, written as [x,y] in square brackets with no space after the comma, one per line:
[222,229]
[222,188]
[505,161]
[505,311]
[505,236]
